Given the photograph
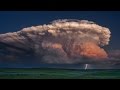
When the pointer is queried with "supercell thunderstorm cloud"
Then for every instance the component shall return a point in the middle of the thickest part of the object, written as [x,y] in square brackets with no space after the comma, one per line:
[62,41]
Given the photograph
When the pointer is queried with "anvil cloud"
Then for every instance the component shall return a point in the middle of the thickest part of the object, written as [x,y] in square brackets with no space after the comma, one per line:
[61,41]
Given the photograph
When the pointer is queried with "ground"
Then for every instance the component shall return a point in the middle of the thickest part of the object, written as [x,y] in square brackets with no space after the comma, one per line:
[47,73]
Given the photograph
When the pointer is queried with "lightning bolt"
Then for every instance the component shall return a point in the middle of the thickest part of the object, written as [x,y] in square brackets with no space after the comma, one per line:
[86,66]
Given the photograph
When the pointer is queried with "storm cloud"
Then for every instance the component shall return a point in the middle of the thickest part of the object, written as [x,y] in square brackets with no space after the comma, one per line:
[61,41]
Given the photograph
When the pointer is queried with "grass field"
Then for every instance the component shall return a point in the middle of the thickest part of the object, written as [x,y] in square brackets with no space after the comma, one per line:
[47,73]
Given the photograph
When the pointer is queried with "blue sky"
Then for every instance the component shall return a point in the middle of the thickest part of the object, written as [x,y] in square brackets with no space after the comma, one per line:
[11,21]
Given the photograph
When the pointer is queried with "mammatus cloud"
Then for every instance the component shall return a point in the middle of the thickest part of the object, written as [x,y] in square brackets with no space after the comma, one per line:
[61,41]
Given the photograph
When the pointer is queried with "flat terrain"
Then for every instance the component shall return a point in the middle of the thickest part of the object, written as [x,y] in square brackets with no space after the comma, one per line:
[47,73]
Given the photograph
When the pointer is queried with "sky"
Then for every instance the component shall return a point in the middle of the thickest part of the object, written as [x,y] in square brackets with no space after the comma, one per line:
[12,21]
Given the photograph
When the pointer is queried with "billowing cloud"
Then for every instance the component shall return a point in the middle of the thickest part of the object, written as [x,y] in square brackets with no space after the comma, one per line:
[61,41]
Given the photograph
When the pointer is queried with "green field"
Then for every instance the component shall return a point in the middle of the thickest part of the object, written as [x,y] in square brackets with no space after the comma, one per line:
[47,73]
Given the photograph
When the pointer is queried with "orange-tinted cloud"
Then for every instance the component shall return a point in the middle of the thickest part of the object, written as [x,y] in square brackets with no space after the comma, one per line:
[60,41]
